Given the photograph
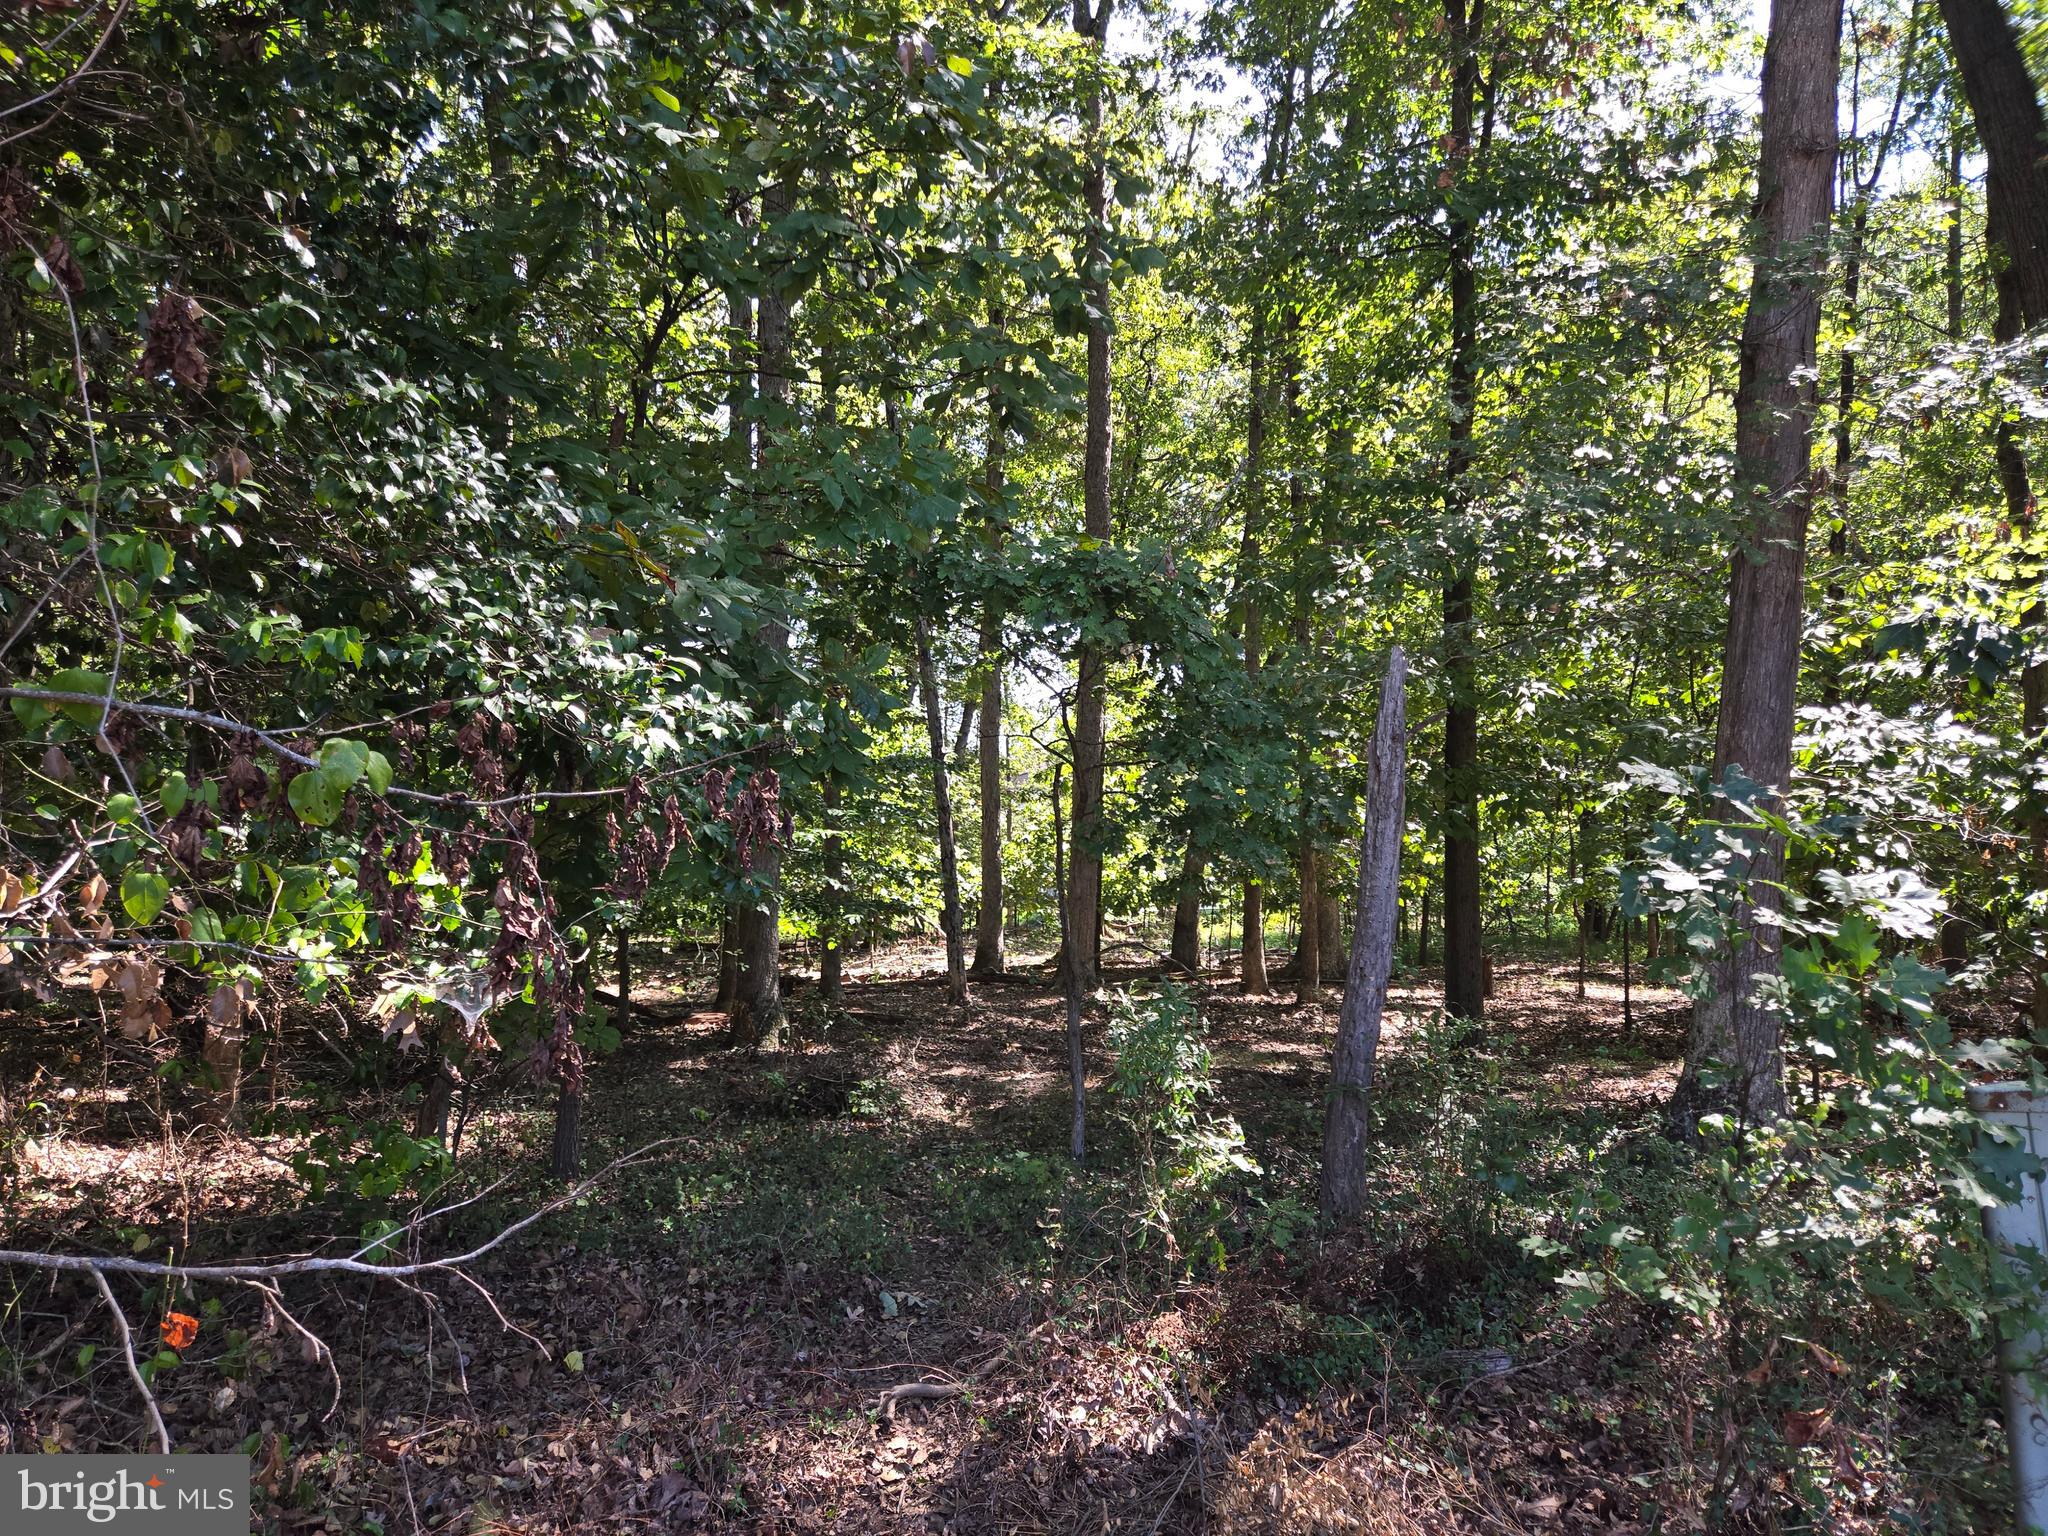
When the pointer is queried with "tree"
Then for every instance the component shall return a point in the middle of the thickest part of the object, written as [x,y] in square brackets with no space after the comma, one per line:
[1347,1117]
[1775,404]
[1084,876]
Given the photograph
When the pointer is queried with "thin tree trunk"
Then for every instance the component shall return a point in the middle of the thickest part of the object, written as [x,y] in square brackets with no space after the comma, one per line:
[728,958]
[1347,1121]
[1775,406]
[1581,904]
[1464,951]
[942,801]
[988,928]
[1084,886]
[758,1012]
[1628,1005]
[832,961]
[1185,950]
[1330,943]
[565,1154]
[1863,188]
[1308,946]
[1422,932]
[989,958]
[1070,987]
[1252,954]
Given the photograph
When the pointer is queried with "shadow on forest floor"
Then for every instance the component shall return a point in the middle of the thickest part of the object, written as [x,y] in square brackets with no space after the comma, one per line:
[702,1340]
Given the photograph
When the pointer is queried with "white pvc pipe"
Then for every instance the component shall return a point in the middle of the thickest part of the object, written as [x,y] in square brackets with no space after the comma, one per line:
[2022,1224]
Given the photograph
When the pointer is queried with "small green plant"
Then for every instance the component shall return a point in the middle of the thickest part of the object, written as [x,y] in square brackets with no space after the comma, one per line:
[1864,1201]
[1161,1075]
[368,1162]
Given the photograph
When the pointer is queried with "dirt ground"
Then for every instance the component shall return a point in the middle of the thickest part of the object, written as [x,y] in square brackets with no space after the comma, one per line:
[707,1337]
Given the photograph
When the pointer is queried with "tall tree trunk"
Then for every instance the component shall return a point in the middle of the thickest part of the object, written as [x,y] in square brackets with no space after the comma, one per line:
[988,923]
[1084,876]
[1251,618]
[1330,941]
[728,958]
[988,926]
[1464,953]
[1070,986]
[2011,129]
[565,1154]
[1775,404]
[942,801]
[1185,950]
[1582,904]
[739,431]
[1422,931]
[1308,948]
[1252,954]
[1862,183]
[1347,1121]
[2014,135]
[758,1003]
[832,962]
[1307,961]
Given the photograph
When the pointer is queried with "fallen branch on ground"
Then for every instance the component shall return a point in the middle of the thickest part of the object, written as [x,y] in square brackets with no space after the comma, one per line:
[261,1276]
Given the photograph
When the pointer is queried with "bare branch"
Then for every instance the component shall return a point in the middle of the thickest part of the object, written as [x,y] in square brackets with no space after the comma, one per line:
[156,1418]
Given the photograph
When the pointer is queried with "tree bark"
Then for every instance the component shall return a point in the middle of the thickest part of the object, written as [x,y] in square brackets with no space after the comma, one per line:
[1251,619]
[1775,404]
[2011,129]
[1185,950]
[1464,952]
[1330,921]
[1252,955]
[988,926]
[728,958]
[1347,1120]
[832,962]
[565,1154]
[942,801]
[1307,960]
[1070,988]
[758,1012]
[1084,883]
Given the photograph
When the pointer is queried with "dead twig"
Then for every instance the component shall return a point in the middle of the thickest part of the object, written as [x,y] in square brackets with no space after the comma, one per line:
[156,1418]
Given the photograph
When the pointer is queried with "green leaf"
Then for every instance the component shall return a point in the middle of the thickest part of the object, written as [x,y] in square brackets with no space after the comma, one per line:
[143,893]
[346,760]
[316,796]
[122,808]
[378,772]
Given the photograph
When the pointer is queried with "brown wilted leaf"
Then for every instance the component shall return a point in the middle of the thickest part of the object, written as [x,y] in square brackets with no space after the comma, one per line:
[1805,1426]
[175,343]
[63,266]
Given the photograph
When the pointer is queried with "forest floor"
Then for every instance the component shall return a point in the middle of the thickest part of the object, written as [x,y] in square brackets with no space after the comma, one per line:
[704,1339]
